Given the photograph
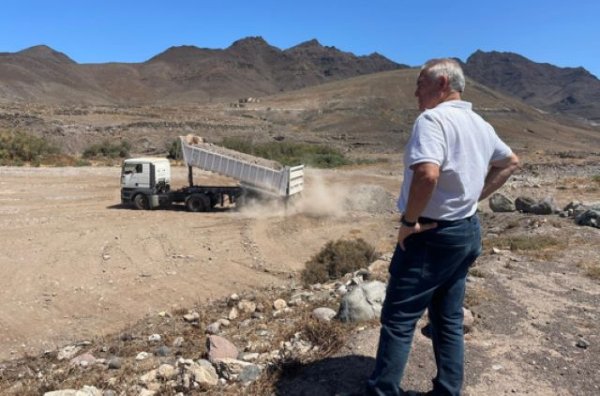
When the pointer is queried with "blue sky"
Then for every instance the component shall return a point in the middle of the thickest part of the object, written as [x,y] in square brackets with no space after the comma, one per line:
[561,32]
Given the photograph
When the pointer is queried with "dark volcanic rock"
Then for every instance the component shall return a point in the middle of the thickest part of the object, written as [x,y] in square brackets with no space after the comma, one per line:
[573,91]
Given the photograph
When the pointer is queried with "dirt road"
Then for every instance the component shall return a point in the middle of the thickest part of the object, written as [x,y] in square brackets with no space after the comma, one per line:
[76,264]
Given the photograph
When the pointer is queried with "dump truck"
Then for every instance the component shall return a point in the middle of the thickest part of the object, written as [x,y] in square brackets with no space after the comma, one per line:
[146,181]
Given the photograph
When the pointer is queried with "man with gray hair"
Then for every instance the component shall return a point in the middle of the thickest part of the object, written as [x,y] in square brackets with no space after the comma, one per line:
[452,160]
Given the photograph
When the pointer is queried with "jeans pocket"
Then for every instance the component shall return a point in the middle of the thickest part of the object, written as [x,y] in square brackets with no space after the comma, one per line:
[405,262]
[441,261]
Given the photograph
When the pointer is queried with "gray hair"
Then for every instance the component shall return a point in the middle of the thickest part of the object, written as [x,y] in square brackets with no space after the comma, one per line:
[448,67]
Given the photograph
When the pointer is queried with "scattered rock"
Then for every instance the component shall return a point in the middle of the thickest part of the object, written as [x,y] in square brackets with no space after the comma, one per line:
[191,317]
[85,391]
[162,350]
[247,306]
[166,372]
[115,363]
[468,321]
[178,342]
[154,338]
[68,352]
[501,203]
[589,218]
[220,348]
[202,372]
[524,204]
[582,343]
[233,314]
[83,360]
[249,374]
[323,314]
[279,304]
[544,207]
[142,356]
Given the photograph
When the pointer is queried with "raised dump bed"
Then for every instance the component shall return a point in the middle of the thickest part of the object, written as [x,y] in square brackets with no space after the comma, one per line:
[254,173]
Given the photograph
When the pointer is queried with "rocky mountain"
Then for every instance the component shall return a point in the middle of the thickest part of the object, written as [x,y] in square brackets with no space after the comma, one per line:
[573,91]
[249,67]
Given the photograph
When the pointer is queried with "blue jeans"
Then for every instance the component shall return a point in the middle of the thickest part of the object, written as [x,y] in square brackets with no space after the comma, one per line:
[430,273]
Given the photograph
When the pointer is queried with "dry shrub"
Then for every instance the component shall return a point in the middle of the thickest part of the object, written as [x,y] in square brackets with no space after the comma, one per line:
[524,242]
[329,336]
[592,269]
[336,259]
[476,295]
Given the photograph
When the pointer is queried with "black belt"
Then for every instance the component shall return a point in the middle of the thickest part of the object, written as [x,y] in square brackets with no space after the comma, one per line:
[427,220]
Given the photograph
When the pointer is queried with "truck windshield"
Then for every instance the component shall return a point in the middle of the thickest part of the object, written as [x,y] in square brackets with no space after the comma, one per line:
[128,169]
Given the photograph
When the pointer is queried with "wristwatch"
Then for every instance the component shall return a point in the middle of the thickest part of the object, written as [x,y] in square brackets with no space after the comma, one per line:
[407,223]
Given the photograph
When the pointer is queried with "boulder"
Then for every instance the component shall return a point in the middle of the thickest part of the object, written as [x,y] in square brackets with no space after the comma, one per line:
[524,204]
[589,218]
[501,203]
[544,207]
[362,303]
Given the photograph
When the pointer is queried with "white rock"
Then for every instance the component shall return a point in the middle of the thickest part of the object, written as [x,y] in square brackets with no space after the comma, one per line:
[142,356]
[191,317]
[85,391]
[279,304]
[149,377]
[166,372]
[247,306]
[68,352]
[323,313]
[154,338]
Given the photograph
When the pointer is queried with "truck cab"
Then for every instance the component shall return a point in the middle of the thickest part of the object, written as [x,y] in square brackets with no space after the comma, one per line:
[144,178]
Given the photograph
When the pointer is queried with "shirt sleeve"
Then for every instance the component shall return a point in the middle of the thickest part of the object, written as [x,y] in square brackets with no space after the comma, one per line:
[501,149]
[427,142]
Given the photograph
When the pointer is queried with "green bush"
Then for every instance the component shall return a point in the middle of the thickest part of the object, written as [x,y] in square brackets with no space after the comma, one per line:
[174,150]
[336,259]
[17,148]
[106,149]
[288,153]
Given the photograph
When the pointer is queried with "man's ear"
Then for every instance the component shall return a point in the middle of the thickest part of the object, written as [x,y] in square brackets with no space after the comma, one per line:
[443,82]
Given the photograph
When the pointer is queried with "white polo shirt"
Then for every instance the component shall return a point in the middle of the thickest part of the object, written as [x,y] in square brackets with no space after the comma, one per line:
[457,139]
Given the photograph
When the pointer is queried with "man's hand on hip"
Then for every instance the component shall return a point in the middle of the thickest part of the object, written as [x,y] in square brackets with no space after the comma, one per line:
[406,231]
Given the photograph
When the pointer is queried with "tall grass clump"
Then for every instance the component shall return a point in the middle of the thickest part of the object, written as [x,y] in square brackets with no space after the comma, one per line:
[106,149]
[336,259]
[18,148]
[288,153]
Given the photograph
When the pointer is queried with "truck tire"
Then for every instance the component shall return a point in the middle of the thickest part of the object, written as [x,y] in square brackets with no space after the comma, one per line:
[197,203]
[141,202]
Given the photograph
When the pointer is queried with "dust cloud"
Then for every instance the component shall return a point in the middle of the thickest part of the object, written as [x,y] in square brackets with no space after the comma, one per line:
[323,198]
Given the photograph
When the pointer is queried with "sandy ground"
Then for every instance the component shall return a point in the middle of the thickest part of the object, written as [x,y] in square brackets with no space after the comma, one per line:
[76,264]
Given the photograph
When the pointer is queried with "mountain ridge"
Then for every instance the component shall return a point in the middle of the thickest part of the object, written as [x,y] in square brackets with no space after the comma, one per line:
[248,67]
[568,90]
[252,67]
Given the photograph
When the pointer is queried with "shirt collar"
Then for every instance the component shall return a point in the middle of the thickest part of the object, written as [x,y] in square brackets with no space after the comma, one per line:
[460,104]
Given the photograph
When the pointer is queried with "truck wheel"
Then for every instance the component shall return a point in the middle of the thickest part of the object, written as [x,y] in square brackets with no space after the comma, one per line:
[197,203]
[141,202]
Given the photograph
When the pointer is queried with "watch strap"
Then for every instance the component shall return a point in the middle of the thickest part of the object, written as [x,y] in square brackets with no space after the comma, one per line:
[407,223]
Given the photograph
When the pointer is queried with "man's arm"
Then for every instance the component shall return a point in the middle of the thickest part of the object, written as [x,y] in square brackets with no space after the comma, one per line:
[424,180]
[498,174]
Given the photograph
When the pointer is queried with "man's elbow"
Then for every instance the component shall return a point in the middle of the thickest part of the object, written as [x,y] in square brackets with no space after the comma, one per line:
[510,163]
[513,163]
